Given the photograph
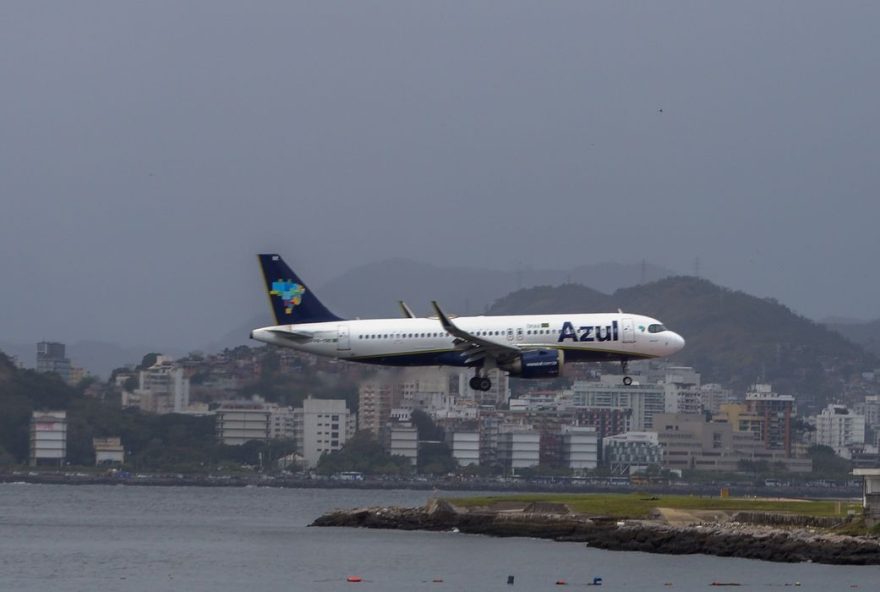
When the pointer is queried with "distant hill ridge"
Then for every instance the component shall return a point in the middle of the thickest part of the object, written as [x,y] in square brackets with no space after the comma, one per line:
[732,337]
[865,333]
[373,290]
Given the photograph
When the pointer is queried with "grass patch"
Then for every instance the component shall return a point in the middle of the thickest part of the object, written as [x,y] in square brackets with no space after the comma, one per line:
[640,505]
[854,528]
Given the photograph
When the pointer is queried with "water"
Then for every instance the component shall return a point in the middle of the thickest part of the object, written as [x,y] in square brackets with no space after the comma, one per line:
[55,537]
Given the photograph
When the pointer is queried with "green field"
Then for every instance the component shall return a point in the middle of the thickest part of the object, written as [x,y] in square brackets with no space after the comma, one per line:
[640,505]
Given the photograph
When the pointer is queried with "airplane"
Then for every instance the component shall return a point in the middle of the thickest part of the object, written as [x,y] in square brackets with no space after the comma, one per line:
[527,346]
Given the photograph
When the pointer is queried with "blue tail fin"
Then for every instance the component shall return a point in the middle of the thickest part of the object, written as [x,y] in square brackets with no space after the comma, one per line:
[291,301]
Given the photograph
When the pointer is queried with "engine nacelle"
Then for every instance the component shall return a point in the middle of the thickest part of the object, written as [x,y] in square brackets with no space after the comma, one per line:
[537,363]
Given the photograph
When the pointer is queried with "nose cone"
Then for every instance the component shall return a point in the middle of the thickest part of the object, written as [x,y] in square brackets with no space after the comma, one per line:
[676,342]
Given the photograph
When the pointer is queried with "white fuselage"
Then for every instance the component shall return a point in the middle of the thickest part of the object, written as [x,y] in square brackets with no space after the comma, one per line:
[422,341]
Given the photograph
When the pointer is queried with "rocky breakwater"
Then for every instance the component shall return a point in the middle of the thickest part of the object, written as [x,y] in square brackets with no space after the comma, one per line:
[727,539]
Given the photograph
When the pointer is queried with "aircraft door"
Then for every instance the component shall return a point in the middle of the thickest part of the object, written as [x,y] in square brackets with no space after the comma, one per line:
[519,334]
[628,331]
[343,340]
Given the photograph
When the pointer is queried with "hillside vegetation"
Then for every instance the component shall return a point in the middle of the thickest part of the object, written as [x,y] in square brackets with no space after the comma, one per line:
[732,338]
[866,334]
[169,442]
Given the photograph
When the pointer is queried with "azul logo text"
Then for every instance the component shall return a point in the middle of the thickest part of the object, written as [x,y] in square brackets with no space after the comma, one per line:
[588,332]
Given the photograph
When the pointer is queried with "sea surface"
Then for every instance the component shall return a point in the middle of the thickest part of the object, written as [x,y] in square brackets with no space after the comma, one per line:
[105,537]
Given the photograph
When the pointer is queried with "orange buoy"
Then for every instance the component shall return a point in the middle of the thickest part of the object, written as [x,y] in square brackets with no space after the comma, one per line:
[354,579]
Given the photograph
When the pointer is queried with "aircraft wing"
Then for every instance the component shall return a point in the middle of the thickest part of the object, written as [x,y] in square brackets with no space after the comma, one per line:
[476,348]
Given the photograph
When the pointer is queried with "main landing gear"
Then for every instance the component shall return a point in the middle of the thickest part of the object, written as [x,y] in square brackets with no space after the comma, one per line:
[624,365]
[480,383]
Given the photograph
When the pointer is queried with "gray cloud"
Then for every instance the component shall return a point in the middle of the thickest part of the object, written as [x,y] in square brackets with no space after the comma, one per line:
[149,150]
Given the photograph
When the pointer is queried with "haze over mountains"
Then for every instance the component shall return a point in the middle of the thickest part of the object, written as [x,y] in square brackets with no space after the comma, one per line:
[865,333]
[373,290]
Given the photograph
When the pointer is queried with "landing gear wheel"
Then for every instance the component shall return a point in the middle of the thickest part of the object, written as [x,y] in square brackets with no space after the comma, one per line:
[624,368]
[474,383]
[485,384]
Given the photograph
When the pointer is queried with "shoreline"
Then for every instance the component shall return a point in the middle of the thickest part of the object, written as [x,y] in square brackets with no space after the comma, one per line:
[723,539]
[256,480]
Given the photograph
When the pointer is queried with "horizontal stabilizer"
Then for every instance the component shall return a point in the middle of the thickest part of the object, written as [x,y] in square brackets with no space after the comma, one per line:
[292,336]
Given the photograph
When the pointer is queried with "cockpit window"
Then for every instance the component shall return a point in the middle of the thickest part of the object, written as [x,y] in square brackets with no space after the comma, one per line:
[657,328]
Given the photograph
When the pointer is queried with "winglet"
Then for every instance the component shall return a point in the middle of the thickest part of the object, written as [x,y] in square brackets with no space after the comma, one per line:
[444,320]
[407,311]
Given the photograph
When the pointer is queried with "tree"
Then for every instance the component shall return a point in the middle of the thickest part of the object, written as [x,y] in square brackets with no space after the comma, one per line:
[426,427]
[827,465]
[148,360]
[435,458]
[362,453]
[130,384]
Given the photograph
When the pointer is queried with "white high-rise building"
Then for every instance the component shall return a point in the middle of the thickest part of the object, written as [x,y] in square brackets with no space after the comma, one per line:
[48,437]
[51,357]
[322,425]
[376,398]
[632,452]
[643,400]
[681,386]
[162,388]
[580,447]
[714,396]
[238,422]
[403,440]
[241,421]
[466,447]
[282,423]
[839,427]
[871,410]
[519,449]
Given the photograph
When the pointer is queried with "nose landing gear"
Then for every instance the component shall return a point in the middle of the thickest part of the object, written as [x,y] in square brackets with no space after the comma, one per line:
[624,365]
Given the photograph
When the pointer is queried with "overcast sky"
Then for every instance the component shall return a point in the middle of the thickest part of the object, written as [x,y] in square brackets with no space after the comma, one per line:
[148,150]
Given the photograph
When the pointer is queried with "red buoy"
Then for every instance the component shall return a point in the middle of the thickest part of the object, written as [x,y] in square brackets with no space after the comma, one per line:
[354,579]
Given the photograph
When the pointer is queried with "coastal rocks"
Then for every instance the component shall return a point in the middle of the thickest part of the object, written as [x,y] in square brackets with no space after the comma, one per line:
[775,519]
[769,545]
[724,540]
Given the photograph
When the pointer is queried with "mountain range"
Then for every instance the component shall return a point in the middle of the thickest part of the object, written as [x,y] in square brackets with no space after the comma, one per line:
[732,338]
[865,333]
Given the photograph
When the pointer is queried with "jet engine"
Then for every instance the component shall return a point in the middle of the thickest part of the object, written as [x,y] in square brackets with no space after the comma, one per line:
[537,363]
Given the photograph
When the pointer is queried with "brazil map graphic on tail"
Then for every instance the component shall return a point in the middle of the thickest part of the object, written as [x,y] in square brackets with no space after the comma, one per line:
[290,292]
